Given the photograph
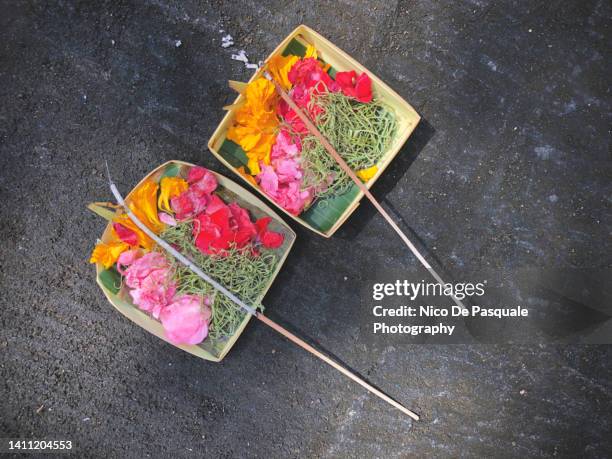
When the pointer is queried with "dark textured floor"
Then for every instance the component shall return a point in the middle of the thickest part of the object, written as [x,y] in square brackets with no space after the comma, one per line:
[510,168]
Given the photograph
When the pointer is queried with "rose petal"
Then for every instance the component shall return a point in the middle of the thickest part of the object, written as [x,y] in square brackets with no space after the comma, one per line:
[214,204]
[195,174]
[126,259]
[142,267]
[182,206]
[155,292]
[363,88]
[269,239]
[184,320]
[268,180]
[345,79]
[167,219]
[272,240]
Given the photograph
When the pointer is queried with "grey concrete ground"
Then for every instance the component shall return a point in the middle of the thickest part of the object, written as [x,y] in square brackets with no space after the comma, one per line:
[510,168]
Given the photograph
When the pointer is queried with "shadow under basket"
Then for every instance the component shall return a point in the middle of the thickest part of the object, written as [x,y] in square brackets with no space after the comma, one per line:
[324,216]
[213,350]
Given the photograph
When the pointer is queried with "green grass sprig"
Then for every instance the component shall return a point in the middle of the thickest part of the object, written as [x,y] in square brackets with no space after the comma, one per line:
[242,273]
[360,132]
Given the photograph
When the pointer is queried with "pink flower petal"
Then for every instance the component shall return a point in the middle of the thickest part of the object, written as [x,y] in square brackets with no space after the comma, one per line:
[166,218]
[184,320]
[202,181]
[142,267]
[214,204]
[268,180]
[288,170]
[155,292]
[126,259]
[195,174]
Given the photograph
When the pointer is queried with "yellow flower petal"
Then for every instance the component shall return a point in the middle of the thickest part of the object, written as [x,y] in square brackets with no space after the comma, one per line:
[249,178]
[311,52]
[144,205]
[279,67]
[107,254]
[245,136]
[253,166]
[256,123]
[170,187]
[367,174]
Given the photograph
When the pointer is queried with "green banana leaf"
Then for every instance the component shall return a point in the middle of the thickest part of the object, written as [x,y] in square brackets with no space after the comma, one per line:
[323,213]
[111,280]
[294,47]
[233,154]
[172,170]
[298,49]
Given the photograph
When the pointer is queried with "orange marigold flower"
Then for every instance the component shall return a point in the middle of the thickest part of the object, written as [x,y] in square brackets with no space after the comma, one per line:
[255,123]
[279,67]
[107,254]
[249,178]
[143,203]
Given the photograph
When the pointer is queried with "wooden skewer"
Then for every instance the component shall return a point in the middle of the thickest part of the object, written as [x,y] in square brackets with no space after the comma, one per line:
[304,345]
[249,309]
[345,167]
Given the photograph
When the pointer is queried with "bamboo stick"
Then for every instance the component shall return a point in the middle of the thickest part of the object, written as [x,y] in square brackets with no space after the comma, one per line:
[345,167]
[251,310]
[291,337]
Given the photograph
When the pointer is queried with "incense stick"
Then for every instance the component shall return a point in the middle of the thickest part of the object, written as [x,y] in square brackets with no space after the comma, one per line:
[345,167]
[251,310]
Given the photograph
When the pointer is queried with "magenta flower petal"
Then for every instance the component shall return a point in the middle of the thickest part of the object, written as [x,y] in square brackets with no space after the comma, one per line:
[201,181]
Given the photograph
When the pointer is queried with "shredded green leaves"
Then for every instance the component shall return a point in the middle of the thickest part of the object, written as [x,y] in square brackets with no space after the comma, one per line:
[360,132]
[239,271]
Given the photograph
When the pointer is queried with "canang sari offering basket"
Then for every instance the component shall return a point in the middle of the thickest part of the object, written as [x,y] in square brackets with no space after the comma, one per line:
[262,140]
[225,230]
[188,255]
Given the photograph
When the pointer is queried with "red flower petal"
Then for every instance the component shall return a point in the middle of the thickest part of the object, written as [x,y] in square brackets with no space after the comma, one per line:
[262,224]
[269,239]
[272,240]
[363,88]
[212,233]
[309,73]
[359,87]
[345,79]
[125,234]
[221,218]
[215,204]
[245,229]
[195,174]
